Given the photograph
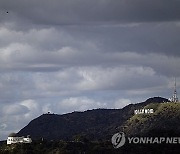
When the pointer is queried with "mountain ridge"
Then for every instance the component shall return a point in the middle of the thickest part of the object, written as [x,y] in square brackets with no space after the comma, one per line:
[96,124]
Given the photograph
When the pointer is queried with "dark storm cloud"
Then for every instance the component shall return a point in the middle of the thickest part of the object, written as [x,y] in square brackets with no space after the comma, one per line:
[144,38]
[51,49]
[66,55]
[92,11]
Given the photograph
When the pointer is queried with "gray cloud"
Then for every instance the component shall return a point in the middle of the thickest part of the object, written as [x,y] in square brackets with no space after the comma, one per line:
[92,11]
[62,56]
[34,51]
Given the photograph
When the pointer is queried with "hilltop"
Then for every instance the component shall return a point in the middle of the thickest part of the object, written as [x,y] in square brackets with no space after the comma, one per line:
[97,124]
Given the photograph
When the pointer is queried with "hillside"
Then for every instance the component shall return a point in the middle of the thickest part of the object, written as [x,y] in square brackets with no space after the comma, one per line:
[91,131]
[99,124]
[163,122]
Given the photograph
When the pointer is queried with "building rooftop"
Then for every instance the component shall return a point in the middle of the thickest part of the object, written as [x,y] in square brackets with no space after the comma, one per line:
[12,135]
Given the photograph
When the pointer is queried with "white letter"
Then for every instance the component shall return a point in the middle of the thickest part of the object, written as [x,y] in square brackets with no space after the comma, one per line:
[135,111]
[151,111]
[149,139]
[162,139]
[169,140]
[156,140]
[130,139]
[175,140]
[179,140]
[142,140]
[135,140]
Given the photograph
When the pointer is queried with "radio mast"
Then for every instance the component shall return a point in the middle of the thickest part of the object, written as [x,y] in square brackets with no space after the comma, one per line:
[174,97]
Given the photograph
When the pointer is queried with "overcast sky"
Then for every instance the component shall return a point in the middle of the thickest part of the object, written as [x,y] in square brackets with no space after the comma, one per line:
[73,55]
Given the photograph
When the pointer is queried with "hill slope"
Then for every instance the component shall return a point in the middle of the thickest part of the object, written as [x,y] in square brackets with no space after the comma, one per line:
[163,122]
[92,124]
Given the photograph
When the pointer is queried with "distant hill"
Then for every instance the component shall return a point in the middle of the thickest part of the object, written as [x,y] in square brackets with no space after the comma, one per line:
[91,131]
[101,124]
[163,122]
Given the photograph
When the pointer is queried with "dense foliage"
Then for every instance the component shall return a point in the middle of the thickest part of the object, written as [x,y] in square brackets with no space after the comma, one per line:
[103,147]
[163,122]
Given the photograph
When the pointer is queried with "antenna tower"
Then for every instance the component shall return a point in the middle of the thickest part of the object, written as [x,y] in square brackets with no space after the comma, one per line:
[174,97]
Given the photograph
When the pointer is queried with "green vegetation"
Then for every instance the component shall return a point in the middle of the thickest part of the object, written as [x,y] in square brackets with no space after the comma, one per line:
[163,121]
[103,147]
[58,147]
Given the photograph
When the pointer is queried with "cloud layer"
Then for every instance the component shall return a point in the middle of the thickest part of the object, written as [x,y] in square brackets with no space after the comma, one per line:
[64,56]
[85,12]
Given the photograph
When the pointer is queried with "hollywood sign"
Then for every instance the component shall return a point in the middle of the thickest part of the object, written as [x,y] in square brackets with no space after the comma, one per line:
[144,111]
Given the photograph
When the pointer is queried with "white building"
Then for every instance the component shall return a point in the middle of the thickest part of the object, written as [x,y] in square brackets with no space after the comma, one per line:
[13,138]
